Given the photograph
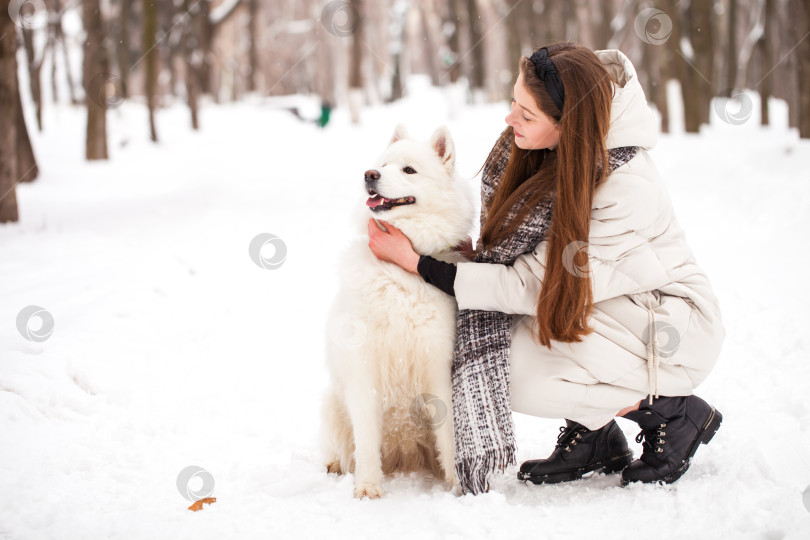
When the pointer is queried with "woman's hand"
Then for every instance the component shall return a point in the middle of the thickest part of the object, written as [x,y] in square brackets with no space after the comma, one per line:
[392,246]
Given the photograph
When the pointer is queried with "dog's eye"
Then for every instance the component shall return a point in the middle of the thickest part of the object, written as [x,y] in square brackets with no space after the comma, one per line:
[409,170]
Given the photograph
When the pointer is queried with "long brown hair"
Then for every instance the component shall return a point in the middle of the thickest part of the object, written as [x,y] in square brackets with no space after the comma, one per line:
[570,174]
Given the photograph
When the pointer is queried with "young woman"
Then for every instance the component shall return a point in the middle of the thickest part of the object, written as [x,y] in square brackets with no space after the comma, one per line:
[583,300]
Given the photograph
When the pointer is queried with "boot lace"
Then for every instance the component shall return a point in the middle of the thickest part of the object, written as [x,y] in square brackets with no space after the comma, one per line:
[568,437]
[653,439]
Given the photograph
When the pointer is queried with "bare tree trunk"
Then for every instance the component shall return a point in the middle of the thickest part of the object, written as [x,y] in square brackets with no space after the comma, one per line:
[476,46]
[169,46]
[765,46]
[706,61]
[512,35]
[659,79]
[27,169]
[8,121]
[149,15]
[691,97]
[645,72]
[400,47]
[192,59]
[206,38]
[603,30]
[791,84]
[95,70]
[429,42]
[664,64]
[59,37]
[583,19]
[522,36]
[747,57]
[50,49]
[453,41]
[327,55]
[698,82]
[356,64]
[555,22]
[463,60]
[122,50]
[677,67]
[209,24]
[34,70]
[731,47]
[654,81]
[570,26]
[537,19]
[800,10]
[373,65]
[253,55]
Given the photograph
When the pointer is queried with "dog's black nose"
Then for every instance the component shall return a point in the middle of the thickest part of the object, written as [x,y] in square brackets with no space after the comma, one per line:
[372,175]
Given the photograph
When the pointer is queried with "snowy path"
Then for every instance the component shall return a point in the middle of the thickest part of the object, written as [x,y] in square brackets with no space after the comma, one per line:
[171,348]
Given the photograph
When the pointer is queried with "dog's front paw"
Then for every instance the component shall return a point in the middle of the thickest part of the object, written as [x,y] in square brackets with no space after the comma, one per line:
[334,467]
[372,491]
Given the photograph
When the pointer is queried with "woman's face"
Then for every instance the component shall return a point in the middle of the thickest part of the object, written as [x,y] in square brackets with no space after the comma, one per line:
[533,129]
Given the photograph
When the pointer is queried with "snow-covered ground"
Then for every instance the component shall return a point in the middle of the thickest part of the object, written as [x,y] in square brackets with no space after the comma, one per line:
[171,348]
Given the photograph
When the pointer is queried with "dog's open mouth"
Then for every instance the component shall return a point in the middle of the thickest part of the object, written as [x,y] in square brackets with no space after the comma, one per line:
[377,202]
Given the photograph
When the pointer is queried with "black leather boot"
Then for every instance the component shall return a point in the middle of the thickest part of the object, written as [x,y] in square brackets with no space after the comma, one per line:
[672,428]
[580,451]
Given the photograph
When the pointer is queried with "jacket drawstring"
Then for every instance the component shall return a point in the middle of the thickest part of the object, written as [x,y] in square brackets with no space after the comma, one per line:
[652,356]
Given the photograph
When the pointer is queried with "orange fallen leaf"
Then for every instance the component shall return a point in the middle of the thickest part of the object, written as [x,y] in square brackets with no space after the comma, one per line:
[199,504]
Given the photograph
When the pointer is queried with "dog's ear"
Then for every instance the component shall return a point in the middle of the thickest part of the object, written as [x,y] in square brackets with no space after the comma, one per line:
[399,133]
[442,143]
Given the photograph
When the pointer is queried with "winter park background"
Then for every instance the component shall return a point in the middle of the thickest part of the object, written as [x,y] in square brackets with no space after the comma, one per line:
[172,348]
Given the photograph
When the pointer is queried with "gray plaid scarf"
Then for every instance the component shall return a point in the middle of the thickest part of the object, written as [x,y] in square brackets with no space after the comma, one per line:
[482,412]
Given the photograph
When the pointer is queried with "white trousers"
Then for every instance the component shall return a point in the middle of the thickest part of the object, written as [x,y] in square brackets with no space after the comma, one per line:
[590,381]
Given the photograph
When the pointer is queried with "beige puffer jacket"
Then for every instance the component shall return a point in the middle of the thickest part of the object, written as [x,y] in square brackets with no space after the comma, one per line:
[642,270]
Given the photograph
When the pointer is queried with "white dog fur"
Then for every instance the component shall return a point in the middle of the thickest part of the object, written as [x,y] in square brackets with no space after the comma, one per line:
[390,334]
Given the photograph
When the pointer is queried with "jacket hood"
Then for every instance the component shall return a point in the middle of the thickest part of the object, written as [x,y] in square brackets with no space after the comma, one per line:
[632,122]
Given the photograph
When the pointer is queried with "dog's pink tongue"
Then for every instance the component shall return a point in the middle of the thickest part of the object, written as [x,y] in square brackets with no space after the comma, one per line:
[374,201]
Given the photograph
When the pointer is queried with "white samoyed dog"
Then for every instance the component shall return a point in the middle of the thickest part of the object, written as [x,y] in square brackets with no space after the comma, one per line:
[391,334]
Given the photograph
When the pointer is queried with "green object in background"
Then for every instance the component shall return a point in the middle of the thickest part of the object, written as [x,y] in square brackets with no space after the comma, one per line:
[326,110]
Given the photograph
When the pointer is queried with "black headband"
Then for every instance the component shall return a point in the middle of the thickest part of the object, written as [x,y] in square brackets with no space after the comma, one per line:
[548,74]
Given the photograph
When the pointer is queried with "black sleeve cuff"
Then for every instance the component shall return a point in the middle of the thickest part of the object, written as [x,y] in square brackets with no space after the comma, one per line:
[438,273]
